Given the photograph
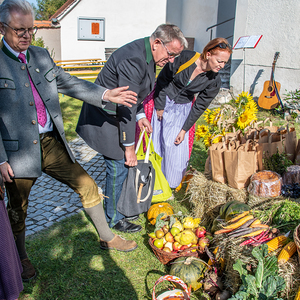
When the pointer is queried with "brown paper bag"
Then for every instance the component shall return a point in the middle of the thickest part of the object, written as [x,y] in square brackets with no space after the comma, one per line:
[217,162]
[240,164]
[290,142]
[207,168]
[275,143]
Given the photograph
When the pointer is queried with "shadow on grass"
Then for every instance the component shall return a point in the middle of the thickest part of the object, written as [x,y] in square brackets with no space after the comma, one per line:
[71,265]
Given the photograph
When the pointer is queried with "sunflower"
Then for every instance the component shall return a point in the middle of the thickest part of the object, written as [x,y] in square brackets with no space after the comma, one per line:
[207,140]
[245,119]
[206,115]
[216,139]
[202,131]
[251,106]
[244,97]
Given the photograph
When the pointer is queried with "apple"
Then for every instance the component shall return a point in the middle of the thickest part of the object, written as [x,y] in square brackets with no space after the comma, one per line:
[158,243]
[203,242]
[183,247]
[176,246]
[166,249]
[169,237]
[200,232]
[174,231]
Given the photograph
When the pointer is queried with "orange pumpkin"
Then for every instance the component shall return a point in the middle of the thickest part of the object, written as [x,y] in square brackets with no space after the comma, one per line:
[157,209]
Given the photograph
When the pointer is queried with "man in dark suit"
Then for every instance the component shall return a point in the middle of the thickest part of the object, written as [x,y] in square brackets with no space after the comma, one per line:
[32,137]
[111,131]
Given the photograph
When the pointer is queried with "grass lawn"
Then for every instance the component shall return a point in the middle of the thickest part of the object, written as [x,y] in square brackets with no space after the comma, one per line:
[68,258]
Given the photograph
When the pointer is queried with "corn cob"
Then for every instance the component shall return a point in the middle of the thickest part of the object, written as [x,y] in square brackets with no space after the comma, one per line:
[239,222]
[276,243]
[297,297]
[287,252]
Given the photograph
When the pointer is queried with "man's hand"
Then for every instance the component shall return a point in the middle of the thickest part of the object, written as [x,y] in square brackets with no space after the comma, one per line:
[120,95]
[144,123]
[130,156]
[159,114]
[180,137]
[6,172]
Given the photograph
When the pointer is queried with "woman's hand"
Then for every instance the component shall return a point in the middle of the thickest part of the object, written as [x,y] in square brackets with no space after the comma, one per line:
[144,123]
[159,114]
[180,137]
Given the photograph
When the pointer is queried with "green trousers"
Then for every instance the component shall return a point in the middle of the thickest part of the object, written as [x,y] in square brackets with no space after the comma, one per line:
[57,164]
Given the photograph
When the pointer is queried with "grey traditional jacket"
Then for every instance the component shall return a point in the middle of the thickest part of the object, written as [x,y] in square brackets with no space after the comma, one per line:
[19,134]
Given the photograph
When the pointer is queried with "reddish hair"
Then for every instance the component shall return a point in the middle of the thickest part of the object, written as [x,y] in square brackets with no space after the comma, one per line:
[213,46]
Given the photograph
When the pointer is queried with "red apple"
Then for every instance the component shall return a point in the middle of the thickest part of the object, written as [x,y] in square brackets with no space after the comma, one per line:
[203,242]
[176,246]
[200,232]
[183,247]
[169,237]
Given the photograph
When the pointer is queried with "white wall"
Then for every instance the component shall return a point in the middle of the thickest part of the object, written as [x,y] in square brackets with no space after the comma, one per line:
[195,17]
[51,37]
[125,21]
[278,22]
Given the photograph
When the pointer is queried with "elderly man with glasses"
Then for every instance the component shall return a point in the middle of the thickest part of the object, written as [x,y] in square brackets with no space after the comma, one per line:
[111,131]
[32,137]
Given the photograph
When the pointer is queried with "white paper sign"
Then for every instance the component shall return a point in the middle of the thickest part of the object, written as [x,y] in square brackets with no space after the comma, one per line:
[247,42]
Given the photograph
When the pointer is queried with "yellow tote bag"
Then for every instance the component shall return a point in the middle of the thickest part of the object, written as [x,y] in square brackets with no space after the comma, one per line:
[162,191]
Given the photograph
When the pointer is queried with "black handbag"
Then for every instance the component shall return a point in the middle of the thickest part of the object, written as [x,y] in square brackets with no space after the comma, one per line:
[137,190]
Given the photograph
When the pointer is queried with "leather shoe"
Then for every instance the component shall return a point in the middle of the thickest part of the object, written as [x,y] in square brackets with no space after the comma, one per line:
[125,226]
[133,218]
[118,243]
[28,270]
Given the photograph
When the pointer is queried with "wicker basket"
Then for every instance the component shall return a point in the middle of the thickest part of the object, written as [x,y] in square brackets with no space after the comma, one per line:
[297,239]
[166,257]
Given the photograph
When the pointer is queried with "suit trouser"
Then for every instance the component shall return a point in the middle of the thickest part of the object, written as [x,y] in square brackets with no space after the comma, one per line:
[116,173]
[57,164]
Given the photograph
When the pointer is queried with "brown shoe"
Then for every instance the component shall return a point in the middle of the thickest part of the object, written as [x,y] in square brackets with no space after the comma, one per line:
[28,270]
[119,244]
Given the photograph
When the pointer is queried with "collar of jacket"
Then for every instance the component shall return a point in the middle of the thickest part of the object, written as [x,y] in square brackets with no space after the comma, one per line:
[149,56]
[8,53]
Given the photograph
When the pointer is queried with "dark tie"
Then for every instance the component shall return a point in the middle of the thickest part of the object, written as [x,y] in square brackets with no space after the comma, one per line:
[39,104]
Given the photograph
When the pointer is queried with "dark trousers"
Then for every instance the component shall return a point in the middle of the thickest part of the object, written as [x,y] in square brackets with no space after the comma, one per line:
[57,164]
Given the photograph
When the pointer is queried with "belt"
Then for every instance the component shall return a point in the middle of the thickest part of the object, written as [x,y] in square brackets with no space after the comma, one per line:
[46,134]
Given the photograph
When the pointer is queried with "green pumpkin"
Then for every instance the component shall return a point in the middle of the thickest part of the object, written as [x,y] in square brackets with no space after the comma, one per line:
[190,269]
[230,209]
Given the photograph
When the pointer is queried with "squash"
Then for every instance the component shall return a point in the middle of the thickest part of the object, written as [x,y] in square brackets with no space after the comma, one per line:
[190,269]
[232,208]
[157,209]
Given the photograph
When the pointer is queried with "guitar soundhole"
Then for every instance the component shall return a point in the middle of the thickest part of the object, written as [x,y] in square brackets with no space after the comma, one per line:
[270,89]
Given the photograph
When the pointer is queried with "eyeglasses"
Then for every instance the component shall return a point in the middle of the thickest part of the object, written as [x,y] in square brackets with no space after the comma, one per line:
[170,54]
[222,46]
[22,31]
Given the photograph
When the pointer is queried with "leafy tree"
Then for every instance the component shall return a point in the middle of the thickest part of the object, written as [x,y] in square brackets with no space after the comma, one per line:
[46,8]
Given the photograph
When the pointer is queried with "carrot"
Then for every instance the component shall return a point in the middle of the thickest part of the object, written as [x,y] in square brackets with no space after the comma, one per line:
[239,223]
[259,225]
[254,233]
[243,214]
[221,231]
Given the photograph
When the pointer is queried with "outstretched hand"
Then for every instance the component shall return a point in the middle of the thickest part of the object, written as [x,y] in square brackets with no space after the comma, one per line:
[121,95]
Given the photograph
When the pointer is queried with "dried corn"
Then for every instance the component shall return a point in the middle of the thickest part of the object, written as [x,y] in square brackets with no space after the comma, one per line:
[276,243]
[239,222]
[287,252]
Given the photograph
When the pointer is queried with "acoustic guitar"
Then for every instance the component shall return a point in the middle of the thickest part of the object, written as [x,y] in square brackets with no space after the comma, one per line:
[269,97]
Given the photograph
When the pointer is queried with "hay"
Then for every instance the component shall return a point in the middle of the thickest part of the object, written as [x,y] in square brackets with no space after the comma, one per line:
[290,271]
[207,196]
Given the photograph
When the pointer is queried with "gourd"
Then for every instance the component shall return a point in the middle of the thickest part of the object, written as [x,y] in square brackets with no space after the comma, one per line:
[157,209]
[190,269]
[232,208]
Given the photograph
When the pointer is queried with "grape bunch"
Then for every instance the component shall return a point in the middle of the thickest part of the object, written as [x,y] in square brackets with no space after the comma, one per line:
[291,190]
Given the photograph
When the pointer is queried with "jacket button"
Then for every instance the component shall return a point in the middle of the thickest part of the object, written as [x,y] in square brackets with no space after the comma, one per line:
[35,141]
[5,85]
[23,67]
[37,70]
[31,103]
[27,84]
[33,122]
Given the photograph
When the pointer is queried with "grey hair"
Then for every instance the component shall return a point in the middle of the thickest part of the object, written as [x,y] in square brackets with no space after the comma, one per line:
[169,32]
[20,6]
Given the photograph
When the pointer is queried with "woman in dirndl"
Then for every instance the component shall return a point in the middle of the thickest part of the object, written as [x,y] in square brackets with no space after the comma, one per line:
[180,98]
[10,266]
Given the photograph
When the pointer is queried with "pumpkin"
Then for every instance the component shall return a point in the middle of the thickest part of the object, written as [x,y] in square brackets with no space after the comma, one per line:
[190,269]
[157,209]
[232,208]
